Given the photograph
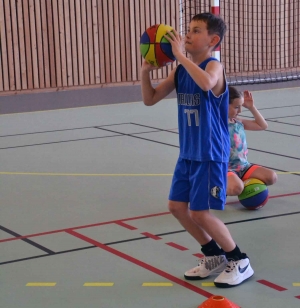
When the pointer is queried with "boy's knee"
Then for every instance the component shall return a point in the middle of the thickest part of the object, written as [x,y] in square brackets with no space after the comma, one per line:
[177,208]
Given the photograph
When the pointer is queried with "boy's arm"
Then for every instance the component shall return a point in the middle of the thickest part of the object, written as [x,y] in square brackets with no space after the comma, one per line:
[206,79]
[259,123]
[151,95]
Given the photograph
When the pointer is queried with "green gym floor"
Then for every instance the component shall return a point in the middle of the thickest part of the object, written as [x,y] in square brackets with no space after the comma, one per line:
[84,218]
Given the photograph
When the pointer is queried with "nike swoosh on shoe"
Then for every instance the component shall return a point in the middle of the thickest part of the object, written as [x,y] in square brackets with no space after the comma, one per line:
[242,270]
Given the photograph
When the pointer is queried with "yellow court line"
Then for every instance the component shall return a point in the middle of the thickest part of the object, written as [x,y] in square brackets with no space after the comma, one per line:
[207,284]
[296,284]
[84,174]
[98,284]
[41,284]
[157,284]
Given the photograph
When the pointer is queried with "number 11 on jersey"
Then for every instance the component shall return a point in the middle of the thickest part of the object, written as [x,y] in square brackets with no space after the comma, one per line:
[189,114]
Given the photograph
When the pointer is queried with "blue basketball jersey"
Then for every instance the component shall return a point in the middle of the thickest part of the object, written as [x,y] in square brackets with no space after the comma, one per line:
[202,119]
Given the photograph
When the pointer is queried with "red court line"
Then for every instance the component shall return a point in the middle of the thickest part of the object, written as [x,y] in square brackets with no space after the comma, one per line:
[298,296]
[271,285]
[177,246]
[141,264]
[270,197]
[113,221]
[82,227]
[198,255]
[150,235]
[122,224]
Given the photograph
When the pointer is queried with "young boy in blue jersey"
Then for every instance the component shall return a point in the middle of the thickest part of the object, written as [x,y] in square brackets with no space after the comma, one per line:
[199,180]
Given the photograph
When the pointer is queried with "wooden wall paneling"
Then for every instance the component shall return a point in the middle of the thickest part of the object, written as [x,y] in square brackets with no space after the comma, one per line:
[57,43]
[4,85]
[62,42]
[291,33]
[133,45]
[122,39]
[39,44]
[269,37]
[106,43]
[101,42]
[90,37]
[111,40]
[50,27]
[255,35]
[263,25]
[286,33]
[85,42]
[142,29]
[116,30]
[73,31]
[16,47]
[68,42]
[96,41]
[127,40]
[9,46]
[296,26]
[259,36]
[242,22]
[249,30]
[45,42]
[136,38]
[21,35]
[79,43]
[34,52]
[28,44]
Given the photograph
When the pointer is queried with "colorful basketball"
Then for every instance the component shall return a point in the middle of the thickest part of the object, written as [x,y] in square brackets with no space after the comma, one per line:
[255,194]
[155,48]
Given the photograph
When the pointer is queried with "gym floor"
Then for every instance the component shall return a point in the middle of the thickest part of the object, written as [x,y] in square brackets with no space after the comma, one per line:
[84,218]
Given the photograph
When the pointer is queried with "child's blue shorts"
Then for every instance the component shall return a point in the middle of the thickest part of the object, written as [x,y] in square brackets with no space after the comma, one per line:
[202,184]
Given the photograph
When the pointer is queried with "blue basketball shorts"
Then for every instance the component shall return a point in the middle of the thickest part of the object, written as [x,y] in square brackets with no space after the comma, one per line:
[201,184]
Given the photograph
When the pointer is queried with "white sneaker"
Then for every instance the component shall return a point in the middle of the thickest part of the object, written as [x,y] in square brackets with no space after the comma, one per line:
[234,274]
[206,267]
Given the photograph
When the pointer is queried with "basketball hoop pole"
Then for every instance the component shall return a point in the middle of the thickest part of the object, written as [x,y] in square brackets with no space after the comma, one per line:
[215,9]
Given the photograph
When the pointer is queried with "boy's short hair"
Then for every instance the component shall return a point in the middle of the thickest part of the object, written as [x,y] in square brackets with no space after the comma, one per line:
[214,24]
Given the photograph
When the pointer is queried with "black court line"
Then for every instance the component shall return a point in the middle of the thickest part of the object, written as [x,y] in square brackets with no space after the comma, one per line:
[277,107]
[169,131]
[141,238]
[160,129]
[281,155]
[134,136]
[280,122]
[73,140]
[290,116]
[36,245]
[60,130]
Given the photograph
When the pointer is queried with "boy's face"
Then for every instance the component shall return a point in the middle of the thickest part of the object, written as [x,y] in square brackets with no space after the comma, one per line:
[197,38]
[235,108]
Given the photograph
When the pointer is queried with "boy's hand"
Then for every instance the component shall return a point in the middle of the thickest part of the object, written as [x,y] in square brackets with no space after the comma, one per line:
[147,67]
[248,100]
[176,41]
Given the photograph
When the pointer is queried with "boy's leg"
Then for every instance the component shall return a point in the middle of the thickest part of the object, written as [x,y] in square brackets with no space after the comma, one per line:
[181,212]
[235,185]
[238,268]
[214,260]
